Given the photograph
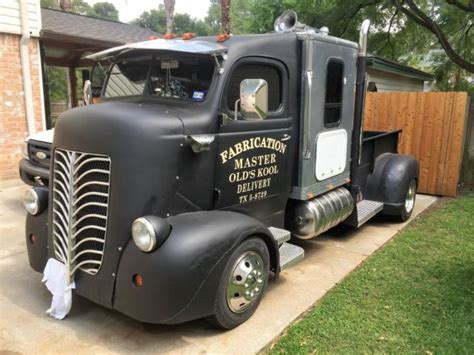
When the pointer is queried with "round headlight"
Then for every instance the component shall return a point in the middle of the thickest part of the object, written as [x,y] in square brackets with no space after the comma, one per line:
[143,234]
[31,202]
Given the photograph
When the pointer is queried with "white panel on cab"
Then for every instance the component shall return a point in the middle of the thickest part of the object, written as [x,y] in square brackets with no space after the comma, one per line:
[331,153]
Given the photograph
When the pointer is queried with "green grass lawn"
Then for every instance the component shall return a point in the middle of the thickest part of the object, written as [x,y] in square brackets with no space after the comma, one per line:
[416,295]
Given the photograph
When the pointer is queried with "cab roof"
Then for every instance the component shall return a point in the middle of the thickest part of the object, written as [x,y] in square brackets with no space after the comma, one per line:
[175,45]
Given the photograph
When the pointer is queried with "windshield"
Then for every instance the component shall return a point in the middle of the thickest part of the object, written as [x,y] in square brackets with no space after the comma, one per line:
[178,77]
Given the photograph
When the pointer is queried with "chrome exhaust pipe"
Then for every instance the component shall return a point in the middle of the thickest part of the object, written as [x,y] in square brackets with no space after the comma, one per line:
[363,36]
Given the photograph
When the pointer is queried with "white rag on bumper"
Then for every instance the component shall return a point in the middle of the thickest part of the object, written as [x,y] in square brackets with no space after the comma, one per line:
[54,276]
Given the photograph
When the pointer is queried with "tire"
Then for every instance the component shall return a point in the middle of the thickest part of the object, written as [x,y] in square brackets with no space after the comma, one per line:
[409,205]
[248,265]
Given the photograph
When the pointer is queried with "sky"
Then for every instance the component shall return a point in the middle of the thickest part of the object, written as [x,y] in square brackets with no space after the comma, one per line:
[130,9]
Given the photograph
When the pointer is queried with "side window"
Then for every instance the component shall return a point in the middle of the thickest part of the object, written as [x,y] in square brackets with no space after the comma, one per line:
[333,100]
[256,71]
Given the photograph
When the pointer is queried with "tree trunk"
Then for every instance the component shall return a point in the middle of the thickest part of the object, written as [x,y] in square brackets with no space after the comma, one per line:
[225,16]
[169,9]
[65,5]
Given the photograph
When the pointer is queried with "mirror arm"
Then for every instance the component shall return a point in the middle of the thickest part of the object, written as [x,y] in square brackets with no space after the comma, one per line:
[220,68]
[236,109]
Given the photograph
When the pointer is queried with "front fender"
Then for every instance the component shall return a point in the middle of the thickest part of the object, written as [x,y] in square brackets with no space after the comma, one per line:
[181,277]
[390,179]
[36,233]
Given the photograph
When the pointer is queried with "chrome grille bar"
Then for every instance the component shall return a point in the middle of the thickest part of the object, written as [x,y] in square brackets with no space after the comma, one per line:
[81,187]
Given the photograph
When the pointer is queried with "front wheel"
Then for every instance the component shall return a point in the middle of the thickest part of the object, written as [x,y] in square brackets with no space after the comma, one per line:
[409,205]
[242,284]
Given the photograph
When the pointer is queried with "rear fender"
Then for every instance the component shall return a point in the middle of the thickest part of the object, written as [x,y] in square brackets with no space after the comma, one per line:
[181,277]
[390,179]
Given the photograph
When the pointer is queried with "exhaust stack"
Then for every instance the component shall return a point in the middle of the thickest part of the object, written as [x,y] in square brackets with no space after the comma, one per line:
[363,34]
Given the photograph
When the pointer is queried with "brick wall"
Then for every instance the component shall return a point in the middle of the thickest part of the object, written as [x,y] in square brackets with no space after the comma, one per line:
[13,126]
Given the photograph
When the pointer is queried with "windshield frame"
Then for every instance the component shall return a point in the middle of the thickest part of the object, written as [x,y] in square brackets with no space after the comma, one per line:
[146,93]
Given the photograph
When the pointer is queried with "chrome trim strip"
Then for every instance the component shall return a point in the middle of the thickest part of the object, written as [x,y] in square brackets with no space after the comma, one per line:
[72,194]
[90,215]
[90,172]
[90,239]
[86,228]
[88,204]
[88,161]
[88,184]
[90,194]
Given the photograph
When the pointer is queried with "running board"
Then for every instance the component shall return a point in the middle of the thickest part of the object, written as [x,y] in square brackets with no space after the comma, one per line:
[280,235]
[290,255]
[366,209]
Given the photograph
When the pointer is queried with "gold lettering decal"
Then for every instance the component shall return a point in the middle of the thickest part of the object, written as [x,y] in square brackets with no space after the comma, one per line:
[252,143]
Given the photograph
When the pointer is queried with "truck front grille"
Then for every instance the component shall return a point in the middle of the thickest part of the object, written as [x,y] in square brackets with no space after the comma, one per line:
[81,186]
[39,153]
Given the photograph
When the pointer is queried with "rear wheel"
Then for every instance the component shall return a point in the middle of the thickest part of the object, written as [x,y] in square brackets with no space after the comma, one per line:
[409,205]
[242,284]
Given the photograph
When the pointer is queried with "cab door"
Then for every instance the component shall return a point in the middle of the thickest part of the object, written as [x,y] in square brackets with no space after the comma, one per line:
[252,155]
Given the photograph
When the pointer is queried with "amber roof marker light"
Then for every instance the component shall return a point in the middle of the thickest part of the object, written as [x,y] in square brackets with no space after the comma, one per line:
[189,35]
[169,36]
[222,37]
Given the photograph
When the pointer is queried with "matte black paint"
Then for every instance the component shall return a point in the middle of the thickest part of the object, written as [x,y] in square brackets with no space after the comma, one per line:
[358,122]
[390,179]
[373,145]
[161,228]
[28,171]
[143,142]
[180,278]
[155,172]
[38,251]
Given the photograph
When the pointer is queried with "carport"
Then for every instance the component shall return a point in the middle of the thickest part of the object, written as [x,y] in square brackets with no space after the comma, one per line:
[66,38]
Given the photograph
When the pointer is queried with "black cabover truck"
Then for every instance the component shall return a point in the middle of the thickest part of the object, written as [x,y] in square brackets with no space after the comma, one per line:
[175,198]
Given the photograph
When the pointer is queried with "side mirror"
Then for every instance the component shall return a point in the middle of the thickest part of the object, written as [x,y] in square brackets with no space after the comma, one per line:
[254,99]
[87,92]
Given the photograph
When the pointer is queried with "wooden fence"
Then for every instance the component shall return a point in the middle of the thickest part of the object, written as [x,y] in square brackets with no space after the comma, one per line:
[434,125]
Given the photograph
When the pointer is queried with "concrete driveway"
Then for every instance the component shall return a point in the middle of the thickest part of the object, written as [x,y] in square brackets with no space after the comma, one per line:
[24,326]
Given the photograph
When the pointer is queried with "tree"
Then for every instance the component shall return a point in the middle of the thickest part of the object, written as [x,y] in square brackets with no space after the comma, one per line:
[106,11]
[169,10]
[155,20]
[50,4]
[213,18]
[102,10]
[225,16]
[394,34]
[425,20]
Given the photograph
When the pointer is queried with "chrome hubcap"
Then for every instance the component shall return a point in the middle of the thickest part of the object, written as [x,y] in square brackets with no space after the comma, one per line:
[410,199]
[246,281]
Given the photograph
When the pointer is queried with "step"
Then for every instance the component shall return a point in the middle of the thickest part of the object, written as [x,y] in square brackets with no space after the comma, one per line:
[290,255]
[366,209]
[280,235]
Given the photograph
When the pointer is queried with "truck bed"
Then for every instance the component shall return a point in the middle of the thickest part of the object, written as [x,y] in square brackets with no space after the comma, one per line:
[374,144]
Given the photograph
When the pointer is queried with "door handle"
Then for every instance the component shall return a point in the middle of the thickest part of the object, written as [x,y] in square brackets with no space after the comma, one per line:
[285,137]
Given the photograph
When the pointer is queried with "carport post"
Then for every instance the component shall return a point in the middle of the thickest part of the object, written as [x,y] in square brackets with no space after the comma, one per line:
[73,85]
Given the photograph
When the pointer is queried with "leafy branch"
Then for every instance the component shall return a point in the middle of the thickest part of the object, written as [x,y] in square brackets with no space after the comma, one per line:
[414,13]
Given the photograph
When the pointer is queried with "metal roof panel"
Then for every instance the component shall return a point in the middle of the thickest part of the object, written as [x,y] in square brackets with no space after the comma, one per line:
[175,45]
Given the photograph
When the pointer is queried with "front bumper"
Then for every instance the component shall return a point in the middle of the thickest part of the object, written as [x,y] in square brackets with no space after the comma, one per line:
[33,175]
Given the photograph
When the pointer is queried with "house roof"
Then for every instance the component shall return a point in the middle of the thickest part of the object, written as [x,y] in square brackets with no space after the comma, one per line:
[58,24]
[389,66]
